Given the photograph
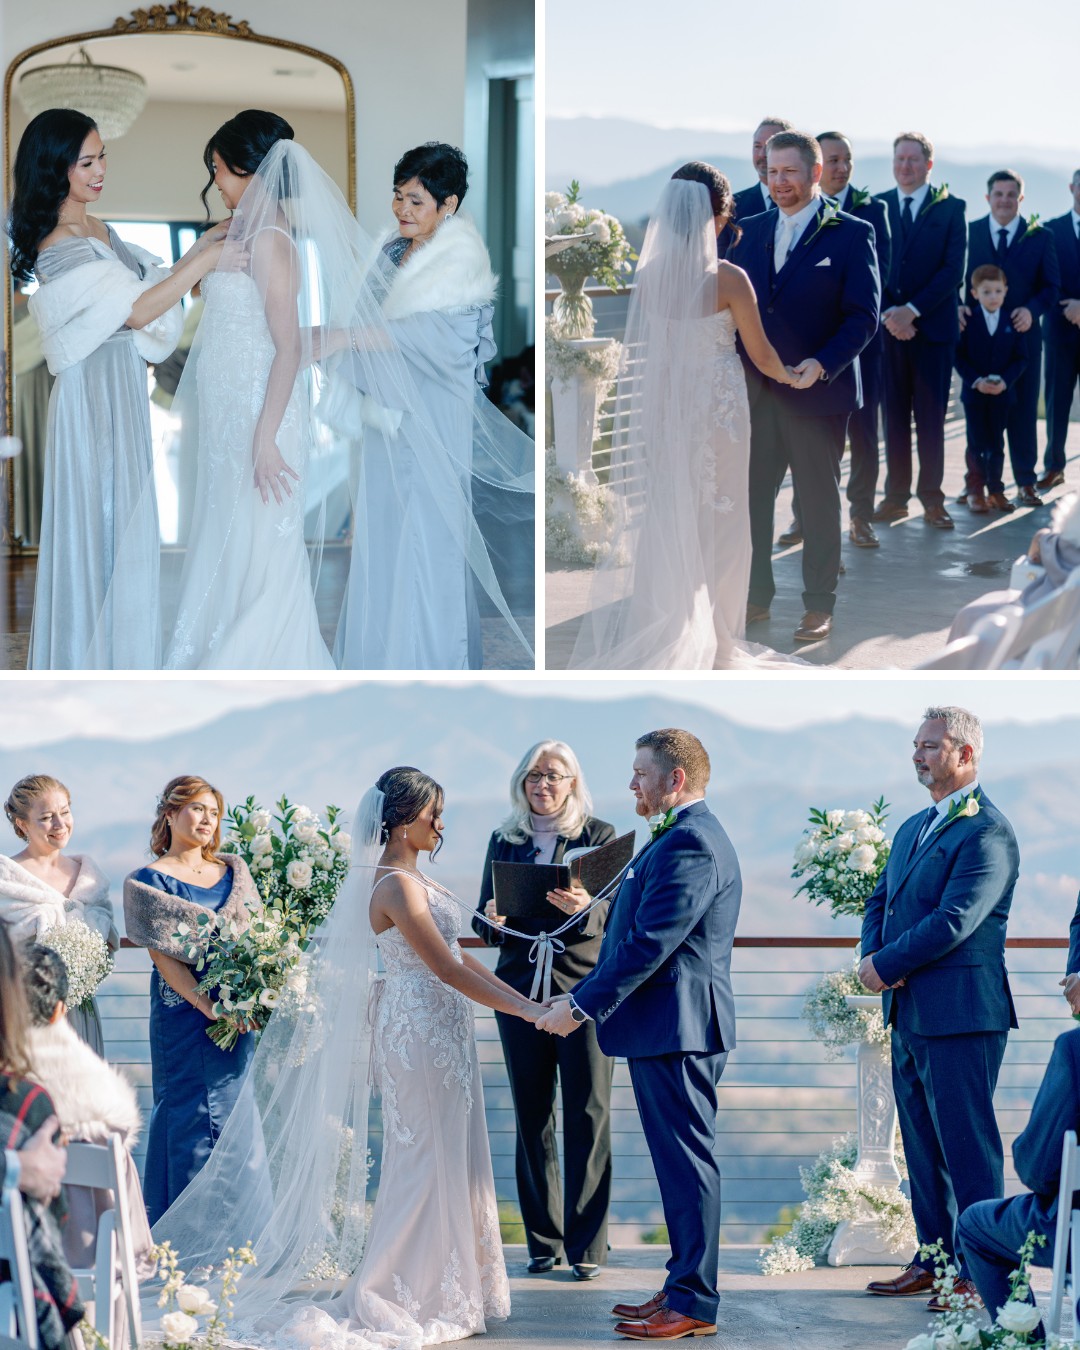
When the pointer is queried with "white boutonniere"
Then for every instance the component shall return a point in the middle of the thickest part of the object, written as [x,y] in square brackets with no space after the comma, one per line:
[1032,225]
[964,809]
[830,215]
[859,197]
[938,194]
[661,822]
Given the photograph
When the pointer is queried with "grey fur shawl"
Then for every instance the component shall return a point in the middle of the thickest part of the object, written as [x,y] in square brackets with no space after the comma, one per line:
[151,916]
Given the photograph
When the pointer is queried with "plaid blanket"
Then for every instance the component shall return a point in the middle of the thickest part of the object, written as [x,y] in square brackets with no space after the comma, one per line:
[24,1108]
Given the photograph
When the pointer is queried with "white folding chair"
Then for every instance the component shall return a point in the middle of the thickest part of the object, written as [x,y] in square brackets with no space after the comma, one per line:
[18,1319]
[102,1167]
[984,647]
[1049,631]
[1067,1237]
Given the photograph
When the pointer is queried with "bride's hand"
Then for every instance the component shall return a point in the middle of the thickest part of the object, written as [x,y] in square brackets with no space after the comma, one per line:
[272,474]
[214,235]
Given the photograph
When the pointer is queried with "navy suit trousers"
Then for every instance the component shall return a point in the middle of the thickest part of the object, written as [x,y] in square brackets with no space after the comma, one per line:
[1062,374]
[992,1233]
[917,379]
[676,1099]
[944,1088]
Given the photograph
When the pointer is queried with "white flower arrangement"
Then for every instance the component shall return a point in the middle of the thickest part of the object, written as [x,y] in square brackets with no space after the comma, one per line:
[836,1025]
[562,360]
[85,955]
[834,1193]
[604,254]
[180,1328]
[842,855]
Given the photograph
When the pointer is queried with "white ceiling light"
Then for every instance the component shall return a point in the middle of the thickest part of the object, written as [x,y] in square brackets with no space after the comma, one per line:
[111,96]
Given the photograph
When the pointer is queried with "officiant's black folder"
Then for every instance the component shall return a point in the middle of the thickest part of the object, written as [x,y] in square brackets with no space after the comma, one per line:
[521,888]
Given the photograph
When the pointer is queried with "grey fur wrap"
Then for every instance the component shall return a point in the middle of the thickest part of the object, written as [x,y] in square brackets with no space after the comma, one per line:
[151,916]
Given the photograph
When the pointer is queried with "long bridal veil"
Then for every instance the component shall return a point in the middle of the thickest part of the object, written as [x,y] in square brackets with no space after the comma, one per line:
[671,591]
[294,322]
[289,1170]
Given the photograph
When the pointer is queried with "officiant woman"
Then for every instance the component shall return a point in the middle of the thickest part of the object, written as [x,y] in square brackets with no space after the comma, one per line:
[550,811]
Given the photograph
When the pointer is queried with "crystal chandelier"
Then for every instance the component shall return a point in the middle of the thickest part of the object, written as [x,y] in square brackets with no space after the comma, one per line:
[111,96]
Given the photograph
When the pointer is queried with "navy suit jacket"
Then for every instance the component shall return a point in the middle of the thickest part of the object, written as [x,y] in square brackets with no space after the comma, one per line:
[1037,1152]
[746,202]
[1074,942]
[877,217]
[662,984]
[928,270]
[978,354]
[1031,266]
[937,919]
[825,303]
[1056,328]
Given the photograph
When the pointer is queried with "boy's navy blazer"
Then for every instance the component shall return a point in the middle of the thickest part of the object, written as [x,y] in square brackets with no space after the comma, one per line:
[1031,266]
[937,920]
[928,270]
[977,354]
[662,984]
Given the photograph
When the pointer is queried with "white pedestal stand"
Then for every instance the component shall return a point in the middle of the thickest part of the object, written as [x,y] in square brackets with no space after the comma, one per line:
[573,415]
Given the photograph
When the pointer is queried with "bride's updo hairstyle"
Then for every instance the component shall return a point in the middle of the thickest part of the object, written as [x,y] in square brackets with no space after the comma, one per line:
[49,146]
[442,170]
[243,142]
[407,792]
[716,184]
[21,798]
[178,792]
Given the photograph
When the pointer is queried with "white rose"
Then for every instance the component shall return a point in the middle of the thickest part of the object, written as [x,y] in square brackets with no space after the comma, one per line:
[341,842]
[268,998]
[298,874]
[853,819]
[196,1300]
[261,844]
[830,874]
[968,1334]
[921,1342]
[323,859]
[834,819]
[260,820]
[554,201]
[845,842]
[863,858]
[307,831]
[869,834]
[599,232]
[805,853]
[300,813]
[266,862]
[1019,1317]
[178,1328]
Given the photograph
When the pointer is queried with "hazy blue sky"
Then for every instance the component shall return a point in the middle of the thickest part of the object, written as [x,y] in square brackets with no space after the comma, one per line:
[967,72]
[42,710]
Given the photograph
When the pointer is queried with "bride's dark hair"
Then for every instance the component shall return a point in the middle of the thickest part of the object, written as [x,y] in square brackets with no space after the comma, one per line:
[716,184]
[48,148]
[243,142]
[407,792]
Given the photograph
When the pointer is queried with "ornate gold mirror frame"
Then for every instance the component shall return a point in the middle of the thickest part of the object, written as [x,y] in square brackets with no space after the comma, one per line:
[179,17]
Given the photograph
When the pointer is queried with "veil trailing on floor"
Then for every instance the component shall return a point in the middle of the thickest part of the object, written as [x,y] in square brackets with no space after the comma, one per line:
[289,1170]
[670,593]
[295,326]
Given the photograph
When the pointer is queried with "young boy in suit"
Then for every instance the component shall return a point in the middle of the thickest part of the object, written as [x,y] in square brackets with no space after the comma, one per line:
[990,358]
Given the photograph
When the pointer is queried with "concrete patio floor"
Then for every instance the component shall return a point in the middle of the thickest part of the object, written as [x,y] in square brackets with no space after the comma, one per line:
[896,603]
[821,1309]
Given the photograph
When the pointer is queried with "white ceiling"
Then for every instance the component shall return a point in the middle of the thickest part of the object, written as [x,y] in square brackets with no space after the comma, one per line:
[204,68]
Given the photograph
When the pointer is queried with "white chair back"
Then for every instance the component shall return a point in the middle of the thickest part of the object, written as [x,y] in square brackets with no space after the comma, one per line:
[1067,1237]
[985,646]
[1049,633]
[18,1319]
[102,1167]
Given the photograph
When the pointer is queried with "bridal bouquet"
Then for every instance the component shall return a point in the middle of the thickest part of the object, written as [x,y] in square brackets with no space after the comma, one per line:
[298,861]
[86,955]
[180,1328]
[603,253]
[841,856]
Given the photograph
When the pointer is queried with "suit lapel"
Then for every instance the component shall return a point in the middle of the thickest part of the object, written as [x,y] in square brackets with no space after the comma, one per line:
[931,839]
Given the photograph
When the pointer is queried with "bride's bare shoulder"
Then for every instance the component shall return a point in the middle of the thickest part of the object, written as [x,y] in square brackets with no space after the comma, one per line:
[732,285]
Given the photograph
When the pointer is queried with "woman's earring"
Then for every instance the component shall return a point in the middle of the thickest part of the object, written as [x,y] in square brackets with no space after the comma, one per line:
[405,833]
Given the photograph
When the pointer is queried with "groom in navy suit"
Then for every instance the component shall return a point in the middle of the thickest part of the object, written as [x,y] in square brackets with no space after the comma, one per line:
[933,943]
[814,271]
[660,994]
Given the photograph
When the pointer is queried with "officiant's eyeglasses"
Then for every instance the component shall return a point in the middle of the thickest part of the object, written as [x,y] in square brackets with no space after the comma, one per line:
[551,779]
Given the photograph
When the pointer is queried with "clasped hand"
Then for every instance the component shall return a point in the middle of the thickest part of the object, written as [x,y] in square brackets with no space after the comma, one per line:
[803,375]
[1071,984]
[558,1017]
[871,979]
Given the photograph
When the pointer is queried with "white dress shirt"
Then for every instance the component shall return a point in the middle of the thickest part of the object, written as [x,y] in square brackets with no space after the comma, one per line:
[944,805]
[789,230]
[991,317]
[1010,230]
[917,199]
[1075,223]
[766,195]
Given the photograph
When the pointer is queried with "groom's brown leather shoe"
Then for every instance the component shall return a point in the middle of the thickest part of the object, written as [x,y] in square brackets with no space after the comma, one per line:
[639,1311]
[911,1280]
[862,534]
[756,614]
[791,536]
[815,627]
[887,512]
[665,1325]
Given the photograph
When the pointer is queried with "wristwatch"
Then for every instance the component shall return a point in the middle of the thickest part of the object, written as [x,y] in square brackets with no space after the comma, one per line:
[577,1014]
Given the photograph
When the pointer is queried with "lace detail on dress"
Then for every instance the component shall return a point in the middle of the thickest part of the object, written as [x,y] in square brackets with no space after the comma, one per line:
[730,409]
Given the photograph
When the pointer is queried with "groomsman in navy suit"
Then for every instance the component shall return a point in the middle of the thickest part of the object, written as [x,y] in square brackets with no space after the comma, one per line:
[1061,328]
[753,200]
[1072,965]
[814,271]
[933,943]
[660,994]
[1026,253]
[929,241]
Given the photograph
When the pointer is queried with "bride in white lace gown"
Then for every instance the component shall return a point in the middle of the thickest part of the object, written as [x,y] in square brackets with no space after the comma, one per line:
[671,593]
[432,1268]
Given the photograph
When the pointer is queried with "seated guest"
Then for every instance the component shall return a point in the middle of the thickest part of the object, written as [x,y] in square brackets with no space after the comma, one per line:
[92,1099]
[990,358]
[993,1231]
[25,1110]
[1056,550]
[550,809]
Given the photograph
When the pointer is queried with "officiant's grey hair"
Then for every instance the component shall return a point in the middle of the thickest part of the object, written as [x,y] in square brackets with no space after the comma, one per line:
[961,727]
[517,827]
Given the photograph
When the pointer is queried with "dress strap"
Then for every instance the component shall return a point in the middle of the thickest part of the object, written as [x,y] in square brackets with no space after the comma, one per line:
[398,871]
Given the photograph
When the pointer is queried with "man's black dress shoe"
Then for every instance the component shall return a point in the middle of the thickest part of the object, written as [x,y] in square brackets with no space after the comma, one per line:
[540,1265]
[582,1270]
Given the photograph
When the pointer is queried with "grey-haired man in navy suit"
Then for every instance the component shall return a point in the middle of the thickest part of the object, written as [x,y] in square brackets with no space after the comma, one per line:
[755,199]
[933,942]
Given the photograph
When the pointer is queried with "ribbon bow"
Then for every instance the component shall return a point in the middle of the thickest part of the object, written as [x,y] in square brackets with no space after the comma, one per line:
[542,954]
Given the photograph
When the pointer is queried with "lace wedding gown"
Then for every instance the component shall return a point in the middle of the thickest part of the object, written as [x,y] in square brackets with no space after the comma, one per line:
[432,1269]
[246,598]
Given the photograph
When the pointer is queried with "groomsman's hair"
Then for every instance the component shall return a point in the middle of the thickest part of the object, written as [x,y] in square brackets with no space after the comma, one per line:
[961,727]
[832,136]
[987,272]
[1005,176]
[802,141]
[781,123]
[919,139]
[676,749]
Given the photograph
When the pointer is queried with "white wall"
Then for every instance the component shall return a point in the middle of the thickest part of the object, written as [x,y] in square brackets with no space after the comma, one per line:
[407,62]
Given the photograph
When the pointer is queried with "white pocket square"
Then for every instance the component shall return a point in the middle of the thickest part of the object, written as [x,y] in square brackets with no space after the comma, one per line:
[629,874]
[825,262]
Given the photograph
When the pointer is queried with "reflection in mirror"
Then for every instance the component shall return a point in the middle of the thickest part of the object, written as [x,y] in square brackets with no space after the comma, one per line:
[151,198]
